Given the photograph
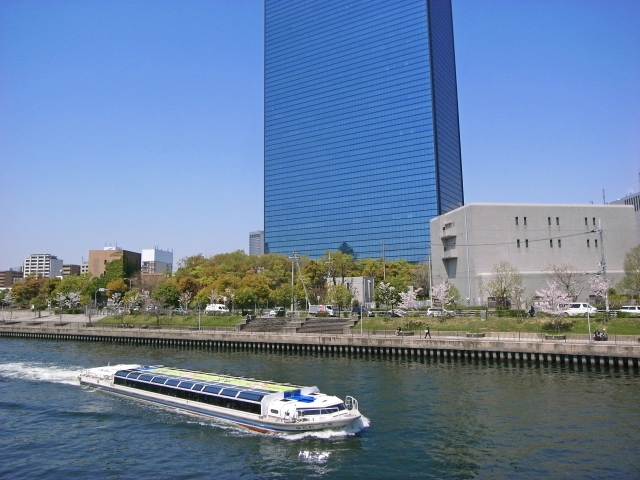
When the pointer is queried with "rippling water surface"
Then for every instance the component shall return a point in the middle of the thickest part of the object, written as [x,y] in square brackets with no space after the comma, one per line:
[425,418]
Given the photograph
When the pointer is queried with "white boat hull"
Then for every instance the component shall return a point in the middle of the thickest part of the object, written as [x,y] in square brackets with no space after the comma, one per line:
[258,423]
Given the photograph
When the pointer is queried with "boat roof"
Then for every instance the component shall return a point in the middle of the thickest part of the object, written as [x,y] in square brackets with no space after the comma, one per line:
[216,379]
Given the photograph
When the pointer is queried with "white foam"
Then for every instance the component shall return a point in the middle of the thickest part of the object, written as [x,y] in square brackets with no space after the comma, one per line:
[314,456]
[355,427]
[41,372]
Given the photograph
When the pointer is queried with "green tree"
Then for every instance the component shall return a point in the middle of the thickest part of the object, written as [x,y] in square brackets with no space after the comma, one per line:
[505,284]
[117,286]
[25,291]
[168,293]
[340,296]
[631,280]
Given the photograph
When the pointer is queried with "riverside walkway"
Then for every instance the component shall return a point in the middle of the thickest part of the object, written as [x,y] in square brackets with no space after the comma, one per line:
[621,351]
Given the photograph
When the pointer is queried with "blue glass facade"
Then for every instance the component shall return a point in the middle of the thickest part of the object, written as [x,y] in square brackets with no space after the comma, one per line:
[362,140]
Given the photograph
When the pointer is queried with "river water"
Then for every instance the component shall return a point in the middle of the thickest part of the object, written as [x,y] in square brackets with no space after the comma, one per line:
[425,418]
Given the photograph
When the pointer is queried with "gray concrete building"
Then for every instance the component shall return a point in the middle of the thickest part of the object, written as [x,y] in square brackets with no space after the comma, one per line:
[468,241]
[634,200]
[363,289]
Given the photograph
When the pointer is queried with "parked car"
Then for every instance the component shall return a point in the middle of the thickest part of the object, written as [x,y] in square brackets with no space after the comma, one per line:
[277,312]
[216,308]
[371,314]
[151,308]
[632,310]
[360,310]
[179,311]
[576,309]
[396,313]
[439,312]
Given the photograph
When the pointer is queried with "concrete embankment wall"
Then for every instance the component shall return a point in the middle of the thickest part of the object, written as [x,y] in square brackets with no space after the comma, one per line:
[560,352]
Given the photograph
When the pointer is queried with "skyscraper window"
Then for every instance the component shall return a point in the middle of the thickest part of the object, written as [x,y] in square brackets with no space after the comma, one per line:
[362,143]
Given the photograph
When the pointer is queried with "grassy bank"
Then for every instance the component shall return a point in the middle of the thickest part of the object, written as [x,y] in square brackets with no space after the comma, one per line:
[615,326]
[177,320]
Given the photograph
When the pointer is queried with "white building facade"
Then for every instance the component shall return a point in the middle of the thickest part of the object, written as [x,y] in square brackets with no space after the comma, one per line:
[363,289]
[42,265]
[155,260]
[256,242]
[533,238]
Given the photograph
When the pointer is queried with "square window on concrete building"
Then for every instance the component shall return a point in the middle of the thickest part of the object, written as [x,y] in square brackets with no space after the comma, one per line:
[596,242]
[594,221]
[559,243]
[525,220]
[586,221]
[587,240]
[549,220]
[526,244]
[518,243]
[557,220]
[551,242]
[516,220]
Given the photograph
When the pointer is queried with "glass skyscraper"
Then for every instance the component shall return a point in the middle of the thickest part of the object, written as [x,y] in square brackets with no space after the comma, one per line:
[362,142]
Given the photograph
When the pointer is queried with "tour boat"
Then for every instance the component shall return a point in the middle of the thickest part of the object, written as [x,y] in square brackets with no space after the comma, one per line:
[263,406]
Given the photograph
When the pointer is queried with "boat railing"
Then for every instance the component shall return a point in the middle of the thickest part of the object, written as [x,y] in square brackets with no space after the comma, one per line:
[351,403]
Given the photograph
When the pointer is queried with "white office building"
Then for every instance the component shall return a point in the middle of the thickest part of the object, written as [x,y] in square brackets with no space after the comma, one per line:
[256,242]
[42,265]
[469,241]
[155,260]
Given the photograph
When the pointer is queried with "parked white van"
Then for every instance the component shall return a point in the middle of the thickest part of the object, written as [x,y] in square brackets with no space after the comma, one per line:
[215,308]
[632,310]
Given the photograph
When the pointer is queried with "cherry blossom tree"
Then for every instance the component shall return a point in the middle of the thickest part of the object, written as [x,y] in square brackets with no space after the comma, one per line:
[73,299]
[552,300]
[184,299]
[386,294]
[445,293]
[408,299]
[600,286]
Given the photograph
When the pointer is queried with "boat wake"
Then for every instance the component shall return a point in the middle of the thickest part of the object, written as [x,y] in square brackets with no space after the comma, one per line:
[355,427]
[40,372]
[314,456]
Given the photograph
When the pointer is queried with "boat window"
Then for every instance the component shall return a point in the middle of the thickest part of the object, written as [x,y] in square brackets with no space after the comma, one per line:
[159,380]
[342,407]
[121,373]
[198,386]
[273,410]
[211,389]
[146,378]
[187,385]
[133,375]
[256,397]
[229,392]
[173,382]
[291,393]
[309,411]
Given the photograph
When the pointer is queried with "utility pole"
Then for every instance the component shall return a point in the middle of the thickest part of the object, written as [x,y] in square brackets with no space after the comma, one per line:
[329,263]
[603,263]
[293,260]
[384,268]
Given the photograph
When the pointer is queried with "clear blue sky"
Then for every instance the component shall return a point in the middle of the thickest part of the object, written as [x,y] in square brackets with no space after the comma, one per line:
[141,122]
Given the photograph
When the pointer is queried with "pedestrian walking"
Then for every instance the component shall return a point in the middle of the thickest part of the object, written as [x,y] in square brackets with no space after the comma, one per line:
[427,332]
